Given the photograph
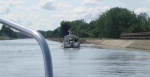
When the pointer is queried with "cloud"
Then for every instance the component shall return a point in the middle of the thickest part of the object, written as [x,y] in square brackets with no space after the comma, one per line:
[32,20]
[145,1]
[52,5]
[47,4]
[26,15]
[81,10]
[89,13]
[140,10]
[81,13]
[15,2]
[91,2]
[34,17]
[4,10]
[63,4]
[6,6]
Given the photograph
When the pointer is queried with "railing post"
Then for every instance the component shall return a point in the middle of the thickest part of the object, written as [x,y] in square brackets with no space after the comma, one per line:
[41,40]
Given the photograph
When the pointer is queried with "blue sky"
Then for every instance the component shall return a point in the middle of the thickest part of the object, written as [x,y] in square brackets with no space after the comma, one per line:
[47,14]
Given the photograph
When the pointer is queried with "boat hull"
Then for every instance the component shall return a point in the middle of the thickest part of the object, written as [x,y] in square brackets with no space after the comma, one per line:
[71,44]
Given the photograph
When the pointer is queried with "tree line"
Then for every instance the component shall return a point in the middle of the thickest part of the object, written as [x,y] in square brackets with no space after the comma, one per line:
[10,33]
[109,24]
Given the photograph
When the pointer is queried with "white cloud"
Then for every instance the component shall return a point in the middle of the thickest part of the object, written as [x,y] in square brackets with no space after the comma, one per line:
[89,13]
[28,16]
[91,2]
[81,13]
[63,4]
[32,20]
[47,4]
[15,2]
[6,6]
[140,10]
[81,10]
[4,10]
[52,5]
[146,1]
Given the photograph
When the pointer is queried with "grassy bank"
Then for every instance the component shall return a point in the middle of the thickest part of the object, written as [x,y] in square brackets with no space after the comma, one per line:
[1,38]
[6,38]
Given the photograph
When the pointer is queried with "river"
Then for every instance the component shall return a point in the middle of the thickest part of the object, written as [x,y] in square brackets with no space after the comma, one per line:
[23,58]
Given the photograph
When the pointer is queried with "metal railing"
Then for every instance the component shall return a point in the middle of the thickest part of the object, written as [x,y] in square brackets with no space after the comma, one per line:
[41,40]
[140,35]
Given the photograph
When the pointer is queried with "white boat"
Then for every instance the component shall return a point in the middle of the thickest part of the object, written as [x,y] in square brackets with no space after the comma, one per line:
[71,41]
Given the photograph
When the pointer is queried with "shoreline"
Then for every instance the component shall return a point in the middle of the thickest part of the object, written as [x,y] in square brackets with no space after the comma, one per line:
[121,44]
[2,38]
[114,43]
[111,43]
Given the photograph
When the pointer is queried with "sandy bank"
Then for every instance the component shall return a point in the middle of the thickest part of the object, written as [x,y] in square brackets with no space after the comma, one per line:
[119,44]
[135,44]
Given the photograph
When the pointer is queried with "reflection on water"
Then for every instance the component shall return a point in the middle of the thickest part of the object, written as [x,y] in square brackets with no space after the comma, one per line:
[23,58]
[120,64]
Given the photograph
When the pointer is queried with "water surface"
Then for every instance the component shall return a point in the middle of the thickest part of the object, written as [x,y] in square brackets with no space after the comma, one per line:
[23,58]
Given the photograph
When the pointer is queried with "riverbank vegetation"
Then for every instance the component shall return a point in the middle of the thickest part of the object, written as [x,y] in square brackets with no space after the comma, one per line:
[109,24]
[1,38]
[8,33]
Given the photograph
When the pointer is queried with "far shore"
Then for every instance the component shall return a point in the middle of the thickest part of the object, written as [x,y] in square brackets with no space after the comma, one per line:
[2,38]
[6,38]
[115,43]
[110,43]
[121,44]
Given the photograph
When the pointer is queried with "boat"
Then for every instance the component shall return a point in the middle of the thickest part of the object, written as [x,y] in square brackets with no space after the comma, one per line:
[71,41]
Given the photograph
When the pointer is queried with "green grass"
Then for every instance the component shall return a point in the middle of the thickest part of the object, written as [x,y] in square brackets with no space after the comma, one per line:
[1,38]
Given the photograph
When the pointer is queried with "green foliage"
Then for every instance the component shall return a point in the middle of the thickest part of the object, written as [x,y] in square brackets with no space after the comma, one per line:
[115,21]
[0,32]
[65,26]
[10,33]
[2,38]
[109,24]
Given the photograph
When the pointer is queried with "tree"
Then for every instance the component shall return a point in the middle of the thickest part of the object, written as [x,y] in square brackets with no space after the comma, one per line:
[65,26]
[8,32]
[109,24]
[116,21]
[0,33]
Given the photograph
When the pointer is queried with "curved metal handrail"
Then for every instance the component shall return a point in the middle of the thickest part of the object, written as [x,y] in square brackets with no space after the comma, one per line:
[41,40]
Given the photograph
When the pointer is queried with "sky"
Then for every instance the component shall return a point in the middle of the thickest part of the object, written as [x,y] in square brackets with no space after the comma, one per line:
[47,14]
